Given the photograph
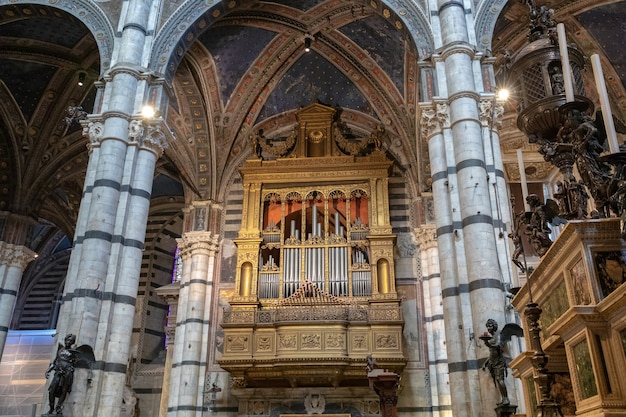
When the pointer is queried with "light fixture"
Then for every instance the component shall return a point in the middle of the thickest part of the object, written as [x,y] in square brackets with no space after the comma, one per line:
[148,112]
[503,94]
[307,44]
[81,78]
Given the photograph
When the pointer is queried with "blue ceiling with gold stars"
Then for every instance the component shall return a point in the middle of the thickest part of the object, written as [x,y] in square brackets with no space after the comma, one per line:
[604,23]
[233,49]
[312,78]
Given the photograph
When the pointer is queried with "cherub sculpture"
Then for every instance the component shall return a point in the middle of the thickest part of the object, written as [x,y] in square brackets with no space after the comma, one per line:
[67,358]
[538,220]
[496,363]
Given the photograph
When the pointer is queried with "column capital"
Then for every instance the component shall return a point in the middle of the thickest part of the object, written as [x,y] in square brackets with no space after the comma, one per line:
[92,131]
[192,243]
[16,256]
[434,117]
[426,236]
[491,111]
[148,134]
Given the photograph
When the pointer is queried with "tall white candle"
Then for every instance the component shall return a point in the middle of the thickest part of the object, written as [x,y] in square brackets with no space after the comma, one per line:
[604,103]
[567,70]
[522,178]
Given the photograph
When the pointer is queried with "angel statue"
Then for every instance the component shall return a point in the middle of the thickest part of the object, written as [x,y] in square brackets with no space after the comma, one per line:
[68,356]
[537,221]
[496,363]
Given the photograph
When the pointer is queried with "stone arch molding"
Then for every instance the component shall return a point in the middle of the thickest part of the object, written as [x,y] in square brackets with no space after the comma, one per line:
[175,36]
[486,16]
[90,15]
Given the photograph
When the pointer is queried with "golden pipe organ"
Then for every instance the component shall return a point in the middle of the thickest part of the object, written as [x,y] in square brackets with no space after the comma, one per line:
[315,280]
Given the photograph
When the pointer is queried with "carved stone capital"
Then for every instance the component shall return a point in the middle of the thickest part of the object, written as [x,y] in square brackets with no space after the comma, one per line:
[434,118]
[148,135]
[92,130]
[491,111]
[426,236]
[15,256]
[192,243]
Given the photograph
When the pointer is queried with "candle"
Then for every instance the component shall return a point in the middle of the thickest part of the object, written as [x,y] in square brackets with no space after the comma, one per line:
[567,70]
[522,178]
[604,103]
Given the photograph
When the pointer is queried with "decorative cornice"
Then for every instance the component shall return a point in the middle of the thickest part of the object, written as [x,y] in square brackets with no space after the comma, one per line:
[464,94]
[457,48]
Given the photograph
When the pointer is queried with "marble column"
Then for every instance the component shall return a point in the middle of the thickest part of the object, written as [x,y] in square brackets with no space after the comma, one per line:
[13,261]
[479,280]
[198,249]
[101,284]
[436,129]
[433,316]
[171,294]
[117,312]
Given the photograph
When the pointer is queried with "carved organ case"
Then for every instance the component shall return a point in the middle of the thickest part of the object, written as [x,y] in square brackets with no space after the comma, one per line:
[315,236]
[317,218]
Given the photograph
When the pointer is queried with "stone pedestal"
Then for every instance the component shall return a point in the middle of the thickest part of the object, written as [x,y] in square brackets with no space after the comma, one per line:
[506,410]
[385,384]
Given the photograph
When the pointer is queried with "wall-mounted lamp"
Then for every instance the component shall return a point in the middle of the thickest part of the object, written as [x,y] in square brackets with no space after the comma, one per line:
[81,78]
[307,44]
[503,94]
[148,112]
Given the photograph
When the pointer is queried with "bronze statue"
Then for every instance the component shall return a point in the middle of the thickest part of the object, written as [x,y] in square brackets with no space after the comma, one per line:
[588,145]
[496,363]
[255,141]
[537,220]
[67,358]
[556,80]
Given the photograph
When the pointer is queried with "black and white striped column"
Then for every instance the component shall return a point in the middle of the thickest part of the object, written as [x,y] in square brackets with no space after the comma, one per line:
[436,129]
[13,261]
[477,285]
[198,251]
[433,316]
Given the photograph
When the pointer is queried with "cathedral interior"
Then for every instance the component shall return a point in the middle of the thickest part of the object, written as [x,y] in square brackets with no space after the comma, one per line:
[277,114]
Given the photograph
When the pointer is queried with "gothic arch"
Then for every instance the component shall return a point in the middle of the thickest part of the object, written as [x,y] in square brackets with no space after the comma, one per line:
[183,27]
[486,16]
[91,15]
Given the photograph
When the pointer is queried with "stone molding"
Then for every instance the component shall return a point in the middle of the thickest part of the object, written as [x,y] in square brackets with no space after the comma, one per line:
[457,48]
